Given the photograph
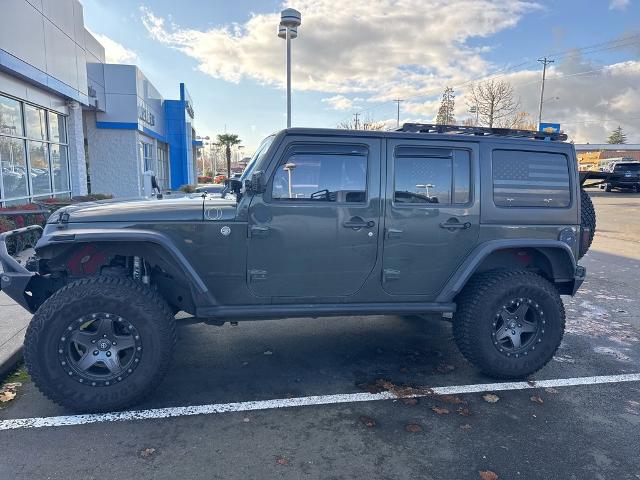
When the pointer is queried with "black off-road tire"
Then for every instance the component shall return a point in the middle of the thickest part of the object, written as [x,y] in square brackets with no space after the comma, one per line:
[147,314]
[587,219]
[473,322]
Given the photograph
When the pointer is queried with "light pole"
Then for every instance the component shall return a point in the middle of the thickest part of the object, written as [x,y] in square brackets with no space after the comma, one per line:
[289,168]
[290,20]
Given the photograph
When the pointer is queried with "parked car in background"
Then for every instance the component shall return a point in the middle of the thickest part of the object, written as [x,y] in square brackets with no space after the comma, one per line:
[627,176]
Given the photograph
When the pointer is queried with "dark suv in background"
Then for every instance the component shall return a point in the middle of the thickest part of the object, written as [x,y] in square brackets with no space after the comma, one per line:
[483,226]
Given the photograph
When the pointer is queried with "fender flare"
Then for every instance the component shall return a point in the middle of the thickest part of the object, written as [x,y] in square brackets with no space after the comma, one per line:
[71,236]
[465,271]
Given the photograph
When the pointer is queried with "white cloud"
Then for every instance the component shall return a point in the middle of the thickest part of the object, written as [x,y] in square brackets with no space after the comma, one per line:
[589,106]
[339,102]
[388,48]
[409,49]
[115,52]
[618,4]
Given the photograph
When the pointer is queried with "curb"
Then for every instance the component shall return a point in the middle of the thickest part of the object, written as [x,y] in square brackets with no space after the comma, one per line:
[9,364]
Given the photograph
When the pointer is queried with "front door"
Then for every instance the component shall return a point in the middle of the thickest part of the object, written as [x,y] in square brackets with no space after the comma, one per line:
[314,232]
[432,214]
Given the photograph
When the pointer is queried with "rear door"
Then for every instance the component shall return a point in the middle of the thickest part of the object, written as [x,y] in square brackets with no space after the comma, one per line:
[432,214]
[314,232]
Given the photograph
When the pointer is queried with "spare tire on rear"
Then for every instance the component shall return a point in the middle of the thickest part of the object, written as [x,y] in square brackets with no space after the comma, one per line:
[587,220]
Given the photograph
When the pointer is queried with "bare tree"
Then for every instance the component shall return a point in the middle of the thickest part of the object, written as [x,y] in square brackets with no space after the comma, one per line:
[522,121]
[494,100]
[366,124]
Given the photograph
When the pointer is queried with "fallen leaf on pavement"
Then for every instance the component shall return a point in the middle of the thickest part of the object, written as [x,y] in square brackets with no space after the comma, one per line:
[282,461]
[537,399]
[490,398]
[410,401]
[550,390]
[453,399]
[440,411]
[367,421]
[465,412]
[413,428]
[466,427]
[8,391]
[7,396]
[488,475]
[147,452]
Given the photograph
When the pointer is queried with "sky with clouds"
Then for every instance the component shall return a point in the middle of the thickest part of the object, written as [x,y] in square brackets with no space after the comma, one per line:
[359,56]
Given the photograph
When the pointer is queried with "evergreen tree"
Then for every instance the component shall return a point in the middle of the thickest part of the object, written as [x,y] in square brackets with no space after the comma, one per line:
[447,105]
[617,137]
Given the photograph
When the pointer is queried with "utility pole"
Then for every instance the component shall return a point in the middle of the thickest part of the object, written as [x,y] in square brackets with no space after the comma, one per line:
[398,100]
[355,121]
[544,62]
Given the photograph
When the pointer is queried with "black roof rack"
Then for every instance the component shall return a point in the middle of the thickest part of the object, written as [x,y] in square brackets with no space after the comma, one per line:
[481,131]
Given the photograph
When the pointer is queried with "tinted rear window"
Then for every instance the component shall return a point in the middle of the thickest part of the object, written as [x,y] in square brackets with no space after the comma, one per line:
[530,179]
[627,167]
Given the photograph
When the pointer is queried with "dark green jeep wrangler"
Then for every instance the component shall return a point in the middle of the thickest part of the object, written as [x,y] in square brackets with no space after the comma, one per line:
[484,226]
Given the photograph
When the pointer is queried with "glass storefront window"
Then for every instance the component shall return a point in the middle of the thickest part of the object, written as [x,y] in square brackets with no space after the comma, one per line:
[60,167]
[36,124]
[33,152]
[57,131]
[10,117]
[14,168]
[39,162]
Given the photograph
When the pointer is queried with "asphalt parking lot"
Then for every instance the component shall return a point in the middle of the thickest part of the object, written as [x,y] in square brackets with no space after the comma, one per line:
[564,431]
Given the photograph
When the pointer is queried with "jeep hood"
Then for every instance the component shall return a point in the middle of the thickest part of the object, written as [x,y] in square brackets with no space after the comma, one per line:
[183,209]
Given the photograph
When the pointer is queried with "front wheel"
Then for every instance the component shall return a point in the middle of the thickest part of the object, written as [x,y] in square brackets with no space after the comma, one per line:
[100,344]
[509,324]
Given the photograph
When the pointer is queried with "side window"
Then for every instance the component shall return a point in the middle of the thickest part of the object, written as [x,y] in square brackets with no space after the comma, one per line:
[431,175]
[530,179]
[323,174]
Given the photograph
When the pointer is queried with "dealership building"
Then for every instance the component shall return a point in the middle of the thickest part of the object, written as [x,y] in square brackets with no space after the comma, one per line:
[70,123]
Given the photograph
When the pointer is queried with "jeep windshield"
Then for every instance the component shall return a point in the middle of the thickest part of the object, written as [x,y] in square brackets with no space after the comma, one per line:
[261,151]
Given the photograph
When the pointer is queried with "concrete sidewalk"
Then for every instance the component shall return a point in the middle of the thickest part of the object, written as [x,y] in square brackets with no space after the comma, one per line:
[13,324]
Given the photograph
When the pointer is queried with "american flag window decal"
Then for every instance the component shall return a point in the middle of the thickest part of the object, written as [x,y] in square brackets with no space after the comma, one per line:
[530,179]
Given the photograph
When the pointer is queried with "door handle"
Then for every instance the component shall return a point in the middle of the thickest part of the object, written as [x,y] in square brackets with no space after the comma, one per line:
[452,224]
[357,223]
[259,231]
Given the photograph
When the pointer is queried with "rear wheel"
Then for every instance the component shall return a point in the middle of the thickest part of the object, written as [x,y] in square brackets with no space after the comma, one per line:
[509,323]
[100,344]
[587,219]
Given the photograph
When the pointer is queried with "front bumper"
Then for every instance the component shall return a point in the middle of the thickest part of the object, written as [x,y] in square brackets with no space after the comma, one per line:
[15,280]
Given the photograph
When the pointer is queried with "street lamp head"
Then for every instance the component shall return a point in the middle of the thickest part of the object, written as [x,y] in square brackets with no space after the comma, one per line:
[282,32]
[290,17]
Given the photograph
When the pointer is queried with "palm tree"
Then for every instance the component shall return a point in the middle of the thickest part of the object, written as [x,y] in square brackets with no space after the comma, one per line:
[228,140]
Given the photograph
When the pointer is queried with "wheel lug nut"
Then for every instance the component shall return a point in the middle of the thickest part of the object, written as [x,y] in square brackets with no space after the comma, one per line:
[95,352]
[108,354]
[93,341]
[113,343]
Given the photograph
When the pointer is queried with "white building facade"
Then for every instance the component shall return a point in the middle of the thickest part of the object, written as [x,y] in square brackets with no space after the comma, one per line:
[70,123]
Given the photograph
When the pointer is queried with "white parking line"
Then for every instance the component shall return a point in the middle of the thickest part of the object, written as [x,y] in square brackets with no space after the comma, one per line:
[156,413]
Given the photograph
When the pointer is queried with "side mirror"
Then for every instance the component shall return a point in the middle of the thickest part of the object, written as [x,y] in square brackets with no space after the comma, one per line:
[256,183]
[234,185]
